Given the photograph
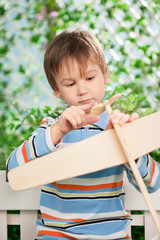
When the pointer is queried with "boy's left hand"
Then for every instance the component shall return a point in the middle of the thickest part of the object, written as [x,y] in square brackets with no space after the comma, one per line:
[116,117]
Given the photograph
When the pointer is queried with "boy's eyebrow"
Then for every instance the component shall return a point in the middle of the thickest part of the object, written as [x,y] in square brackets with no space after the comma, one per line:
[91,70]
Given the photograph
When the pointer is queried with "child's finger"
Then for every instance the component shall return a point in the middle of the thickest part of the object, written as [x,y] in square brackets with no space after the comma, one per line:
[116,116]
[134,116]
[69,117]
[91,119]
[78,117]
[124,119]
[78,114]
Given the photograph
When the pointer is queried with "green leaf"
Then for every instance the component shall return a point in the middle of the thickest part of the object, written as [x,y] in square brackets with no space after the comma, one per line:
[48,108]
[18,126]
[21,69]
[11,126]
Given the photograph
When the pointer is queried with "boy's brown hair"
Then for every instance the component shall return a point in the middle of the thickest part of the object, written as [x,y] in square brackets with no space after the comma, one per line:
[77,45]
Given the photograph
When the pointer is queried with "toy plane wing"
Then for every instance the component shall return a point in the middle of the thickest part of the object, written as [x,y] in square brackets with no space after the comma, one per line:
[93,154]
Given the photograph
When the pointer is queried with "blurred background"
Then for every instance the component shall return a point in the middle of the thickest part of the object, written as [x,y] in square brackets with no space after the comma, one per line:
[129,32]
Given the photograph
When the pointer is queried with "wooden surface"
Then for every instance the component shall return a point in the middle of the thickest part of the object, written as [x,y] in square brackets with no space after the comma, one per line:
[90,155]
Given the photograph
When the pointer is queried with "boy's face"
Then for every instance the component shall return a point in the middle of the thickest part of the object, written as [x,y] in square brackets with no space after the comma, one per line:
[78,89]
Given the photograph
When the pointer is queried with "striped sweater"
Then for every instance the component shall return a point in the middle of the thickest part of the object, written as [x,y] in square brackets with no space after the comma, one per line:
[88,207]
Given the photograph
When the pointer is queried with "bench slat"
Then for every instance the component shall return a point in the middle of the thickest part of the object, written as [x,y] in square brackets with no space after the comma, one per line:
[28,220]
[3,225]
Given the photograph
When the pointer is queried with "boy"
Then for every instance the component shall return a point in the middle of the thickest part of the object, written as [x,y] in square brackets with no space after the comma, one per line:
[90,206]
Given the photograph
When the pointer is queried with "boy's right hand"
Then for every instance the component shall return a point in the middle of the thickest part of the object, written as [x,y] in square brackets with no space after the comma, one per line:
[73,117]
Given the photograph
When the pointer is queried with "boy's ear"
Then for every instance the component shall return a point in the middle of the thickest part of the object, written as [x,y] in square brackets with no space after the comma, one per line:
[57,92]
[106,78]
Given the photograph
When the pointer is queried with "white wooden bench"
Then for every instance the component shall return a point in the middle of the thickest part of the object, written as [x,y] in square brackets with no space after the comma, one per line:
[27,202]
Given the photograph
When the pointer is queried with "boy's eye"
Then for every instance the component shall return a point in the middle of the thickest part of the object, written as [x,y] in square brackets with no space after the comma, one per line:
[90,78]
[70,84]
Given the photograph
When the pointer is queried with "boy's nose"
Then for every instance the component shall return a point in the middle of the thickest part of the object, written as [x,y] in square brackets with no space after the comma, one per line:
[81,89]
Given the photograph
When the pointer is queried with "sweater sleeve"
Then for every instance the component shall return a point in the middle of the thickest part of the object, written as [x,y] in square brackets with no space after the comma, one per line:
[150,172]
[37,145]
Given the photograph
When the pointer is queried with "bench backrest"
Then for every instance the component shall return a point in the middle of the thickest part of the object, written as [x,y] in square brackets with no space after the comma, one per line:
[27,202]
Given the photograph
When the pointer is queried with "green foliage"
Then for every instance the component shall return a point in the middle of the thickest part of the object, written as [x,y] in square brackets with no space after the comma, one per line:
[13,232]
[137,232]
[133,103]
[18,124]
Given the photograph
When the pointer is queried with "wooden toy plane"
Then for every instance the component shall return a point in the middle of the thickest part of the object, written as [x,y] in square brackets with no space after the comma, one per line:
[115,147]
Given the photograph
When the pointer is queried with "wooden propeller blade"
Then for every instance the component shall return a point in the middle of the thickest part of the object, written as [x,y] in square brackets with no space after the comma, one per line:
[93,154]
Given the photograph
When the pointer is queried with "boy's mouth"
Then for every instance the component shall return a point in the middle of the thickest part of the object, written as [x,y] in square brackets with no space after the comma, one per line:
[86,101]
